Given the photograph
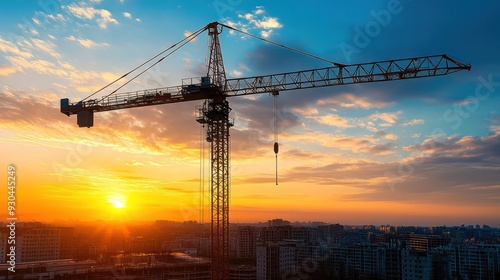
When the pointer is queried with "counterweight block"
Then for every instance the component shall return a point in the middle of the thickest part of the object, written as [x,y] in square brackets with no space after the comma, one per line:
[85,118]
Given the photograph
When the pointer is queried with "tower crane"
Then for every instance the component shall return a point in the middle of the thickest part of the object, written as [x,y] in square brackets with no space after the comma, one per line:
[215,89]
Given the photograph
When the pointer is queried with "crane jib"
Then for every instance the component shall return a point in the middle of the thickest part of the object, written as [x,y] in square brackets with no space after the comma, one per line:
[389,70]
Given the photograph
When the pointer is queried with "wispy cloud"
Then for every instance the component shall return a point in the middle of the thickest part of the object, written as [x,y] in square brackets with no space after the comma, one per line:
[306,111]
[255,21]
[333,120]
[381,149]
[134,131]
[102,17]
[57,17]
[41,54]
[391,137]
[7,70]
[387,119]
[189,33]
[42,57]
[349,100]
[413,122]
[40,66]
[87,43]
[13,49]
[127,14]
[236,73]
[385,135]
[446,173]
[47,47]
[355,144]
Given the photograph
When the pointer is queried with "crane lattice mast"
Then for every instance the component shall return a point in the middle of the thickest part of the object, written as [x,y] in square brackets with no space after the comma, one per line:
[215,88]
[215,114]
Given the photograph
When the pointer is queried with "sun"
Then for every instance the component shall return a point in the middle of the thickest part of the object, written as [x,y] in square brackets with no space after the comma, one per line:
[117,203]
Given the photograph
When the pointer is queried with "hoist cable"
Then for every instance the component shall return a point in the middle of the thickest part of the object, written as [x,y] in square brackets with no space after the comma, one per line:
[276,129]
[187,38]
[282,46]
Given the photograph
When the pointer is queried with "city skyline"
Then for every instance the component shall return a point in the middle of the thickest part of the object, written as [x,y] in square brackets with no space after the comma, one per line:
[417,152]
[269,250]
[133,225]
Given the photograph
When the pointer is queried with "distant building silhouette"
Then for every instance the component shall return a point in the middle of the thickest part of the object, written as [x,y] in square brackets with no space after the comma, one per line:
[39,242]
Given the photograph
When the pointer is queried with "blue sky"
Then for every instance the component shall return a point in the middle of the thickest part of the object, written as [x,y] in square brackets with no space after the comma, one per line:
[416,142]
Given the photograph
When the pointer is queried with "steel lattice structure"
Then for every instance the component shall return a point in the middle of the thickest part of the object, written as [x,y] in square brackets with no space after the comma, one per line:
[215,114]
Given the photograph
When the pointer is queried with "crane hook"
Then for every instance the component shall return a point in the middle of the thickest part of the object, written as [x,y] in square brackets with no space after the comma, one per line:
[276,145]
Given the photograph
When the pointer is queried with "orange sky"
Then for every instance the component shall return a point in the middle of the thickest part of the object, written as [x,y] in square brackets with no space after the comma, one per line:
[70,173]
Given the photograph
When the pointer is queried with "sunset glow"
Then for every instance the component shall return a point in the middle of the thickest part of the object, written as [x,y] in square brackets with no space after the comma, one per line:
[420,151]
[117,203]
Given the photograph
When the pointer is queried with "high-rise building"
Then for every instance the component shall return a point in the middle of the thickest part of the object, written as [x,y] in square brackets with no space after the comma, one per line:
[38,242]
[278,223]
[331,233]
[393,263]
[312,259]
[275,233]
[275,260]
[419,242]
[358,237]
[415,265]
[393,257]
[387,229]
[267,262]
[358,261]
[139,244]
[4,234]
[475,261]
[303,234]
[247,238]
[66,242]
[440,264]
